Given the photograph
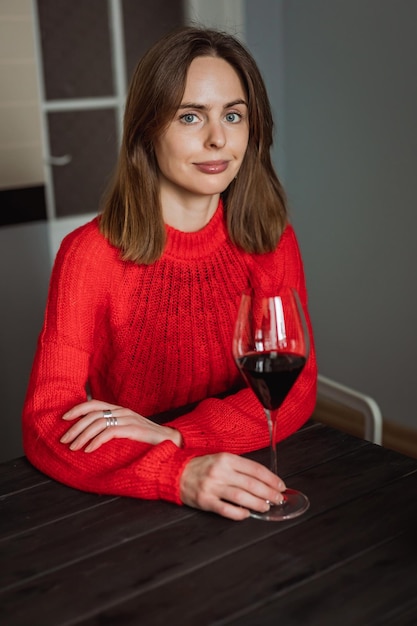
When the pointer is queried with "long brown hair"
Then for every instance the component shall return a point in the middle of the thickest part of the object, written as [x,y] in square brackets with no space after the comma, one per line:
[255,203]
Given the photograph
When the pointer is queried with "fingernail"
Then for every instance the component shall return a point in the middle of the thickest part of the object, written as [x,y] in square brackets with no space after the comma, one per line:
[64,438]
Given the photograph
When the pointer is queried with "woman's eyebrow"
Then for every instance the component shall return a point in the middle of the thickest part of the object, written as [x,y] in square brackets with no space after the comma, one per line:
[203,107]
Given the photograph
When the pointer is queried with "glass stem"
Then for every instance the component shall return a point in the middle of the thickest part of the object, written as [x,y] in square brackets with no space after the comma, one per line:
[272,426]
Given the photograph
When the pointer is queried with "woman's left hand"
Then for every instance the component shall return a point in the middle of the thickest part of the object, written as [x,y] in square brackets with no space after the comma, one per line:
[92,429]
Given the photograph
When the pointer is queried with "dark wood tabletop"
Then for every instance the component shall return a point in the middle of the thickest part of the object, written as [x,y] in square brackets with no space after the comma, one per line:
[69,557]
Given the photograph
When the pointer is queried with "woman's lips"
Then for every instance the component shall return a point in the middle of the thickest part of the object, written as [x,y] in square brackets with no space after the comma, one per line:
[212,167]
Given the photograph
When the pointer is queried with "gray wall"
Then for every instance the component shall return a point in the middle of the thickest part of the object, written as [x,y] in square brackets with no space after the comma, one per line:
[349,153]
[24,274]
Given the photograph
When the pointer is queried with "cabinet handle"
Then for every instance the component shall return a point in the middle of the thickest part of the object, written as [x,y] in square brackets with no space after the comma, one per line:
[59,161]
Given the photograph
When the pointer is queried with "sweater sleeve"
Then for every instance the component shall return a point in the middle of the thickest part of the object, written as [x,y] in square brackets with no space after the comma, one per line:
[237,423]
[119,467]
[58,380]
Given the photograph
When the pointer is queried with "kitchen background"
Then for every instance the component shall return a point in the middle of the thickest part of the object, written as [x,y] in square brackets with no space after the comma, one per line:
[342,81]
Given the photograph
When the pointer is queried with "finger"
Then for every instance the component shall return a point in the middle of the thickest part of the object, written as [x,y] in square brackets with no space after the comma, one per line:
[78,439]
[249,491]
[258,471]
[106,435]
[213,504]
[212,483]
[243,482]
[87,407]
[249,500]
[93,437]
[230,511]
[234,471]
[85,421]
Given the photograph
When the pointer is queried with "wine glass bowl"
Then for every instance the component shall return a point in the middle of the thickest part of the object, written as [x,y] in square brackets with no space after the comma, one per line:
[271,347]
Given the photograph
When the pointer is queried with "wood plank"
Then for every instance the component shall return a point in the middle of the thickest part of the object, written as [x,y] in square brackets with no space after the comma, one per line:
[49,501]
[196,544]
[377,587]
[44,504]
[320,555]
[301,450]
[19,474]
[42,549]
[27,517]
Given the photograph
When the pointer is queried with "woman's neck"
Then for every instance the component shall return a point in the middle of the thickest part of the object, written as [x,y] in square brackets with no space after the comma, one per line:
[191,215]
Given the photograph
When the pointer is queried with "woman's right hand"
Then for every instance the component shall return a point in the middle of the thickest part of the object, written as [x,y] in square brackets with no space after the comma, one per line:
[229,485]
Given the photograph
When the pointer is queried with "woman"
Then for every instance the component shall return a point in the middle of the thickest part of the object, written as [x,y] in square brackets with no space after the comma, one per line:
[143,299]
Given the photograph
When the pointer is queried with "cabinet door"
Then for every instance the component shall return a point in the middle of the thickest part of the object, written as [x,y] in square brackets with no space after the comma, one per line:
[81,105]
[87,51]
[76,49]
[89,141]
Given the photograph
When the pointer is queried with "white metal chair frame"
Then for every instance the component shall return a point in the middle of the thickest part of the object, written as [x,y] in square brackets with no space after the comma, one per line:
[366,405]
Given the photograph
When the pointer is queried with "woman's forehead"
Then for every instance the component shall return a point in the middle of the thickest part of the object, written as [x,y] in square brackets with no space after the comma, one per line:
[212,79]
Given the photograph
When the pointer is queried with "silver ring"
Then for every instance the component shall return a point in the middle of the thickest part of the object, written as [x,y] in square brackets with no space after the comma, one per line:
[109,417]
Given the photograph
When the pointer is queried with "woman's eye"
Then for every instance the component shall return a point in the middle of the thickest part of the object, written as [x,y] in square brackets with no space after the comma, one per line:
[188,118]
[233,117]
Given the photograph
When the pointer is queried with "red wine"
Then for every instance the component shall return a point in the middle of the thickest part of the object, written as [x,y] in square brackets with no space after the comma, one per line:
[271,375]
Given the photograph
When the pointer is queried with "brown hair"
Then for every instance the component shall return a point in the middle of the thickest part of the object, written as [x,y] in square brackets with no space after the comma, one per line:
[254,202]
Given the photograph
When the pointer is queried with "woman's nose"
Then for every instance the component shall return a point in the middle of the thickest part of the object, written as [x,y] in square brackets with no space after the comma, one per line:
[216,136]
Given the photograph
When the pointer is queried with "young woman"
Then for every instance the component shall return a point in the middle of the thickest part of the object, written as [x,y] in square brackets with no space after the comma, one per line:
[143,299]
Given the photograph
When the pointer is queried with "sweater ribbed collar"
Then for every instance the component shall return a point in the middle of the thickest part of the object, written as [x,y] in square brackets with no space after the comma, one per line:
[200,243]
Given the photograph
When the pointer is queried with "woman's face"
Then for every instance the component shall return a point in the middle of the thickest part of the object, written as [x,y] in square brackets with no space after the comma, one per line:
[201,150]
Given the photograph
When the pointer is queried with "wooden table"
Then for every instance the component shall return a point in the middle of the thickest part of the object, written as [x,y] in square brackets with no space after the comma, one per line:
[74,558]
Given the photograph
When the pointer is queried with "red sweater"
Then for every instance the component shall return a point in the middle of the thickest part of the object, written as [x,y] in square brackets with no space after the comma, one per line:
[153,338]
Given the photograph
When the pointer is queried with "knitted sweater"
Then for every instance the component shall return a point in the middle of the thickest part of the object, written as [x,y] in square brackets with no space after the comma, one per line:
[152,338]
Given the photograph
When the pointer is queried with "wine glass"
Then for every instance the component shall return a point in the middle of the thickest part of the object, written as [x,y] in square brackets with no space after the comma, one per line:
[270,346]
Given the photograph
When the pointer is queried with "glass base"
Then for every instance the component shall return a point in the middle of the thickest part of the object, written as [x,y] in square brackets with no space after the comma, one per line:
[295,503]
